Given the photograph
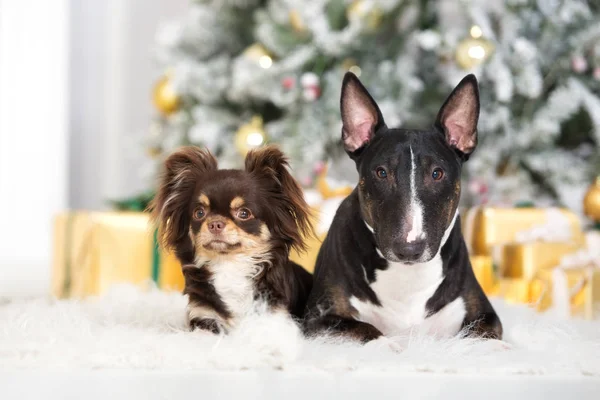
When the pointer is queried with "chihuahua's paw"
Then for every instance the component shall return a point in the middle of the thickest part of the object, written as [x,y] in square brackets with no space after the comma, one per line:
[207,325]
[383,342]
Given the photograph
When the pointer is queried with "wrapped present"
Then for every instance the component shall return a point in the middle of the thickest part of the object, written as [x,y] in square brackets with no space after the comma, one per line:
[324,203]
[570,292]
[486,227]
[94,250]
[572,287]
[483,268]
[307,259]
[516,290]
[524,260]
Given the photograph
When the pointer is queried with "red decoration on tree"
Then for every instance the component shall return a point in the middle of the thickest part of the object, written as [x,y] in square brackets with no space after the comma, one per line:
[289,82]
[311,86]
[579,64]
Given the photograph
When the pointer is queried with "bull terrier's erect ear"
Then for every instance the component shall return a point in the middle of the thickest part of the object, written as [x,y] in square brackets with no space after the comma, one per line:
[360,114]
[459,115]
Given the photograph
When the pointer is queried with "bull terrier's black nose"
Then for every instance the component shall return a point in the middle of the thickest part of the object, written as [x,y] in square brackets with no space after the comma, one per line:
[409,251]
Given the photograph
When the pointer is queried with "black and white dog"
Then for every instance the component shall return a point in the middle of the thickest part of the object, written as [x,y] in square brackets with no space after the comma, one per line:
[395,258]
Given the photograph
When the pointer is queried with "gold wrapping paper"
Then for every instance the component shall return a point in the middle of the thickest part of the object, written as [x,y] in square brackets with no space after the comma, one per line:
[524,260]
[483,268]
[516,290]
[486,227]
[307,259]
[572,292]
[94,250]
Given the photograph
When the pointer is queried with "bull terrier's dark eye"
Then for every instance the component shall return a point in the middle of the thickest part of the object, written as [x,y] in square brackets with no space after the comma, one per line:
[381,172]
[437,174]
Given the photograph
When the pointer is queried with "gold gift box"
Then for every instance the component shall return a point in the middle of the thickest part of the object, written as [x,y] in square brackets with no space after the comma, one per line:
[524,260]
[486,227]
[583,288]
[516,291]
[307,259]
[94,250]
[483,268]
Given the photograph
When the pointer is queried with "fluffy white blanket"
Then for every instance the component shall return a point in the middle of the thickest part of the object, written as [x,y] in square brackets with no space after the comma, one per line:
[144,329]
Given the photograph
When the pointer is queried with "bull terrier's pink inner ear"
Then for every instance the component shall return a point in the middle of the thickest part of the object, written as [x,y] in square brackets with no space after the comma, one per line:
[360,114]
[459,115]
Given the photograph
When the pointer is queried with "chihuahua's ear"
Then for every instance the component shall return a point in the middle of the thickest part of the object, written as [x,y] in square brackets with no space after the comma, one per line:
[361,116]
[171,205]
[458,117]
[291,210]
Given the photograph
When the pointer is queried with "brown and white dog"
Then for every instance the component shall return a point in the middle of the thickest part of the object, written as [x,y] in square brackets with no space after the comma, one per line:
[232,231]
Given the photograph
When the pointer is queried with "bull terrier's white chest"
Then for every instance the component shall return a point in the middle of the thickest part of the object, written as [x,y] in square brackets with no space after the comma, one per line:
[403,291]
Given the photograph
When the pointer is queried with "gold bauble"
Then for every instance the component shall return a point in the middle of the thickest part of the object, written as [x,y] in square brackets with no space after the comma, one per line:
[250,136]
[164,97]
[327,191]
[259,54]
[362,10]
[296,21]
[471,52]
[154,151]
[591,201]
[349,64]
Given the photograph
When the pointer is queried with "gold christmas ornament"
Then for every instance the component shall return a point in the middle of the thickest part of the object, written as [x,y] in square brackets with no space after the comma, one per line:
[473,50]
[349,64]
[259,54]
[296,21]
[250,136]
[591,201]
[326,190]
[362,10]
[154,151]
[164,96]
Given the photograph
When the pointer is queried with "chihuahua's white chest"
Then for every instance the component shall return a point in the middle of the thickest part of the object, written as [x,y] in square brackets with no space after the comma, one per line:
[403,291]
[233,280]
[234,283]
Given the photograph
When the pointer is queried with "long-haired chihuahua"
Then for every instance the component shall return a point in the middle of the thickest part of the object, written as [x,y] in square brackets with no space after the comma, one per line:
[232,231]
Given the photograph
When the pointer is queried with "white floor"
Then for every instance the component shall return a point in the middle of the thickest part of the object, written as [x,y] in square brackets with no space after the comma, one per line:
[132,344]
[117,384]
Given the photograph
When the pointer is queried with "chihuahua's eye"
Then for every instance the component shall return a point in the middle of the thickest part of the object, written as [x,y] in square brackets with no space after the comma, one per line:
[437,174]
[243,214]
[381,173]
[199,213]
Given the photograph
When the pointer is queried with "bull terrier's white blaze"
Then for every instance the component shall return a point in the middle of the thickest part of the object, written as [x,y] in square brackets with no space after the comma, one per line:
[416,208]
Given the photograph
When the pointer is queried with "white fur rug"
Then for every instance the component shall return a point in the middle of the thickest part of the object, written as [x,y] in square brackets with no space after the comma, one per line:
[135,329]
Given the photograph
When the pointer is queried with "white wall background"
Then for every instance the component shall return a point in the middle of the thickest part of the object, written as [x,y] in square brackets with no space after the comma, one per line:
[33,137]
[112,76]
[75,81]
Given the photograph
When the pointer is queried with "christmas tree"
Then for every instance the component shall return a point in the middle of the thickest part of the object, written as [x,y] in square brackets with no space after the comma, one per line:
[240,73]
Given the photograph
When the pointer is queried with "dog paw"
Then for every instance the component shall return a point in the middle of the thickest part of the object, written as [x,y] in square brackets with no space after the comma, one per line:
[206,325]
[383,342]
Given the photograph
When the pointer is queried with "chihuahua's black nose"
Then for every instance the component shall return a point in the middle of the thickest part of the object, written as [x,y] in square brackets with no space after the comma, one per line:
[409,251]
[216,226]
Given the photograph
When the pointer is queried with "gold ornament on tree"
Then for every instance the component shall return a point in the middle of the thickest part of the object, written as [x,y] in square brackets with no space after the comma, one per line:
[154,149]
[326,190]
[349,64]
[296,22]
[363,10]
[250,136]
[591,202]
[473,50]
[164,96]
[258,54]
